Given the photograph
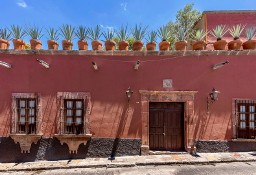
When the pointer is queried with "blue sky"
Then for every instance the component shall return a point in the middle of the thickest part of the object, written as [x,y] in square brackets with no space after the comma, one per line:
[107,13]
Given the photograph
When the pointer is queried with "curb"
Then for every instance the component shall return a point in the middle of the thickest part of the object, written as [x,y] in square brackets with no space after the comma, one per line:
[118,165]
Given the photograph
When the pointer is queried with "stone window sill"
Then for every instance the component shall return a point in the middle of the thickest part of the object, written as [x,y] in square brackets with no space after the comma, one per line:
[244,140]
[25,140]
[73,141]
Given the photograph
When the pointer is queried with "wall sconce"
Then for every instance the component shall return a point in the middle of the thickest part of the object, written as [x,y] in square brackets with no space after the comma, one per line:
[219,65]
[129,93]
[4,64]
[137,65]
[212,97]
[43,63]
[94,65]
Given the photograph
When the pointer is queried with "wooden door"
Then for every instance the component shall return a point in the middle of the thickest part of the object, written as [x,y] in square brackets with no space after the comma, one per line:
[166,126]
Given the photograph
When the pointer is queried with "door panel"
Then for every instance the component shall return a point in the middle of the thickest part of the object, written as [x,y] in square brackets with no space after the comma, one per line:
[166,126]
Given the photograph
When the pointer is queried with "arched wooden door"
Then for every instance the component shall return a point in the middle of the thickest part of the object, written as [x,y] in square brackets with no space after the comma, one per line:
[166,126]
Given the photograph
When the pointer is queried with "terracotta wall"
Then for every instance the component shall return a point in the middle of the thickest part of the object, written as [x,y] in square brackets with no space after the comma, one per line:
[111,116]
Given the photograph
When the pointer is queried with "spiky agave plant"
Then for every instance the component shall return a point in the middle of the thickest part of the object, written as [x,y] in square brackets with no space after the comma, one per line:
[17,32]
[219,31]
[122,34]
[34,32]
[151,37]
[5,34]
[53,34]
[94,33]
[138,32]
[181,34]
[236,31]
[164,32]
[199,35]
[250,33]
[109,35]
[67,31]
[81,33]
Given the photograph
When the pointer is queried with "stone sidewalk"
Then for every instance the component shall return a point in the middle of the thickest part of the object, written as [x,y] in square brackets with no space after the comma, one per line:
[131,161]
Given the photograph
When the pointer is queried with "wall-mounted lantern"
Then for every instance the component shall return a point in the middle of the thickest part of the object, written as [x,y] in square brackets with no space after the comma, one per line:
[219,65]
[129,93]
[95,66]
[212,97]
[43,63]
[137,65]
[4,64]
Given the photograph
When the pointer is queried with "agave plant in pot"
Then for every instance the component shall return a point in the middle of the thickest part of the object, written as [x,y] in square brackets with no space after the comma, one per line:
[164,33]
[235,32]
[180,37]
[67,32]
[138,32]
[110,44]
[5,36]
[53,38]
[82,34]
[94,34]
[199,43]
[218,33]
[151,39]
[250,43]
[35,33]
[123,35]
[18,33]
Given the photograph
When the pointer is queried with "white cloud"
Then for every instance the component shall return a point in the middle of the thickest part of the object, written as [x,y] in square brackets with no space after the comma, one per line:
[22,4]
[111,28]
[124,6]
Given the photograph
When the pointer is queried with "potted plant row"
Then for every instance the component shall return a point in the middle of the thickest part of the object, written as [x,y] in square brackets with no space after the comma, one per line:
[5,36]
[53,38]
[181,37]
[94,34]
[18,33]
[151,39]
[122,36]
[110,44]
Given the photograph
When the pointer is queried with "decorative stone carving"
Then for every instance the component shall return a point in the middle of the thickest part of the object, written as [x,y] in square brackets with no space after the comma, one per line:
[73,141]
[25,140]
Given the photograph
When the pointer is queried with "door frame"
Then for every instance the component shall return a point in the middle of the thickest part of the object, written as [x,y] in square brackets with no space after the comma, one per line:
[187,97]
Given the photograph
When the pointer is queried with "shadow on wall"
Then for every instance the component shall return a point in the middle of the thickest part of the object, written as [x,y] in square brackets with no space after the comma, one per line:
[5,125]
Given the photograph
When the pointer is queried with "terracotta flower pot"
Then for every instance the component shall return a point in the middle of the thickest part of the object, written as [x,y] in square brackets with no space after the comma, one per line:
[52,44]
[18,44]
[35,44]
[110,45]
[220,45]
[199,45]
[235,44]
[151,46]
[164,46]
[67,45]
[137,45]
[250,44]
[82,45]
[181,45]
[4,44]
[96,45]
[123,45]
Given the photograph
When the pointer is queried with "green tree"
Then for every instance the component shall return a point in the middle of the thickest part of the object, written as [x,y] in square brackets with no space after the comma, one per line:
[186,19]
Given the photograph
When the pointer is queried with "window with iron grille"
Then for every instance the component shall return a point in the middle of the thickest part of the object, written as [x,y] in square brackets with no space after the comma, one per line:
[73,116]
[27,115]
[246,110]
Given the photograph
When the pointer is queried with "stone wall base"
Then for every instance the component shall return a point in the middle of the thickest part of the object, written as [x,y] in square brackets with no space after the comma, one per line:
[51,149]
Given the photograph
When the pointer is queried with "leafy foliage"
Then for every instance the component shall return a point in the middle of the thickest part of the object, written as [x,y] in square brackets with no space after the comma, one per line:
[53,34]
[67,31]
[5,34]
[94,33]
[236,31]
[138,32]
[17,32]
[34,32]
[219,31]
[122,34]
[81,33]
[250,33]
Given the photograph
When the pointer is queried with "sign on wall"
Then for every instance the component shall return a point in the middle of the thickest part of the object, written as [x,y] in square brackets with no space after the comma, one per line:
[167,83]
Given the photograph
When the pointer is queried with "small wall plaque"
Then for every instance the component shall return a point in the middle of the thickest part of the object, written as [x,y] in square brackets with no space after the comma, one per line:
[167,83]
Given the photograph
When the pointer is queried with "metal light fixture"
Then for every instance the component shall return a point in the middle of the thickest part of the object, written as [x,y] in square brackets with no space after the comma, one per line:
[212,97]
[4,64]
[219,65]
[129,93]
[137,65]
[94,65]
[43,63]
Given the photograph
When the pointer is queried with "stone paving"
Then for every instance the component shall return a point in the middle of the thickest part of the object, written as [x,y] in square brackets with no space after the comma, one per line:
[132,161]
